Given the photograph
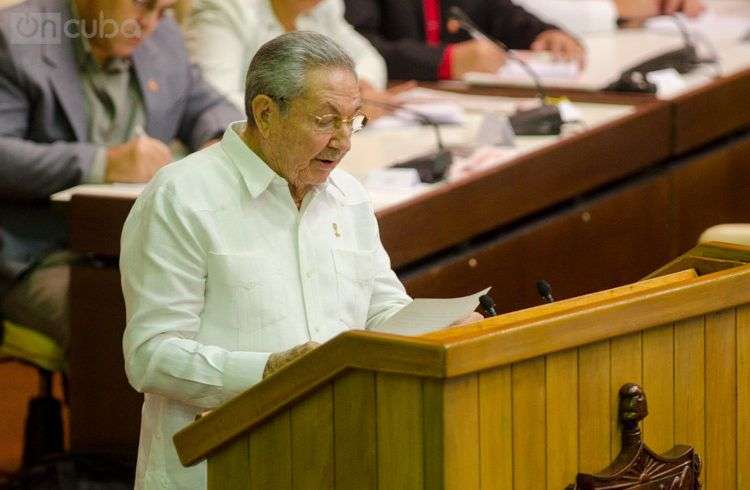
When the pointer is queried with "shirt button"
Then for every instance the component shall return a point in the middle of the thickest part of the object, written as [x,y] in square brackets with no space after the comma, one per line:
[308,274]
[165,481]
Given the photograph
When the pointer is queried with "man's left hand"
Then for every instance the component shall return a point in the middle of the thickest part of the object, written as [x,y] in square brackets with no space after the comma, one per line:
[562,45]
[472,317]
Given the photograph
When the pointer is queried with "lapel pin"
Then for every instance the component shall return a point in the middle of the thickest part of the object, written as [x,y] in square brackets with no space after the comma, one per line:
[336,230]
[152,85]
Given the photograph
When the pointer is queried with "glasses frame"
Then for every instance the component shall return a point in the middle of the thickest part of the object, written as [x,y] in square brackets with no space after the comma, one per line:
[338,123]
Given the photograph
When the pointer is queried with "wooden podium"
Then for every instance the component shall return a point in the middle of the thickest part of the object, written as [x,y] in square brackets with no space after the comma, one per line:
[524,400]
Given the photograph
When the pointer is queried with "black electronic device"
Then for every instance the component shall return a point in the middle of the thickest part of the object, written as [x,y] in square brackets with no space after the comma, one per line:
[543,120]
[433,167]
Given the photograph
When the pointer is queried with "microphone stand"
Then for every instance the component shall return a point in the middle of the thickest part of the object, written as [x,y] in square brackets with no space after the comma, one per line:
[683,59]
[540,121]
[431,168]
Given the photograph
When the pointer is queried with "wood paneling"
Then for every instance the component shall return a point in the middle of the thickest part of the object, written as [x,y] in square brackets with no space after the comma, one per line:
[690,384]
[97,224]
[605,233]
[496,423]
[399,432]
[562,418]
[658,383]
[230,469]
[593,407]
[354,413]
[529,425]
[743,397]
[706,191]
[721,107]
[271,454]
[96,367]
[721,401]
[461,426]
[312,441]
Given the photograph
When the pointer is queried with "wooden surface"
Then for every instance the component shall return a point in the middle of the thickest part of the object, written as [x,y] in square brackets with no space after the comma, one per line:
[537,422]
[547,176]
[587,246]
[105,412]
[488,345]
[723,102]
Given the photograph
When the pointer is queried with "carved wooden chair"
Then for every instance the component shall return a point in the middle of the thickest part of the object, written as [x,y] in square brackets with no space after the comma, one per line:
[637,467]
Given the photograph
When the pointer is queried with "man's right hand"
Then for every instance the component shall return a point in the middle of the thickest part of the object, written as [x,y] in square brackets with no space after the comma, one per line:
[136,160]
[476,55]
[278,360]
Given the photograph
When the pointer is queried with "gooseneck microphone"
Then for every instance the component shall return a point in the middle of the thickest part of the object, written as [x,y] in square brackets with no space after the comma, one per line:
[488,305]
[542,120]
[683,59]
[431,168]
[545,290]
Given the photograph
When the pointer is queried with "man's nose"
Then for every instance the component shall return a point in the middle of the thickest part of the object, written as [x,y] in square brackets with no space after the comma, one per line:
[341,139]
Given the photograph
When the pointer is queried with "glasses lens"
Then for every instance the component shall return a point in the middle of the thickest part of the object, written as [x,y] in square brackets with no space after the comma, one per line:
[358,122]
[326,123]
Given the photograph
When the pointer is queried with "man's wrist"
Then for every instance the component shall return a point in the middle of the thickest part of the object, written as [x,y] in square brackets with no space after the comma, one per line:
[98,169]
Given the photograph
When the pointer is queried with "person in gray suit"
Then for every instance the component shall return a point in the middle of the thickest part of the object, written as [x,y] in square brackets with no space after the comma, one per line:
[91,91]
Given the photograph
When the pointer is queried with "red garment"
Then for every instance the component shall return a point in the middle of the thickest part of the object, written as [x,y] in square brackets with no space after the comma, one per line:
[431,9]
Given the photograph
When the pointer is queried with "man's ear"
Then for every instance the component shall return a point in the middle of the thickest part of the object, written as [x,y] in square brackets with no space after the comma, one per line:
[264,109]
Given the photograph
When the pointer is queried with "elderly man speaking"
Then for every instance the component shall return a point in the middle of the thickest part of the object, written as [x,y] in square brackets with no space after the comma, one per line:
[245,255]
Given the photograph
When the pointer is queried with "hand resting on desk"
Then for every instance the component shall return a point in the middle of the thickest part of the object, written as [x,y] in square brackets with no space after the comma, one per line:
[278,360]
[136,160]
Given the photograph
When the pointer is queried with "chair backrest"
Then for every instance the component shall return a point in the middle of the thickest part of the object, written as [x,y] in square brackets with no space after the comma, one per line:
[26,345]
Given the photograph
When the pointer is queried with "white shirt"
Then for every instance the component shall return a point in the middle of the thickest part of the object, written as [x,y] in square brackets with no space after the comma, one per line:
[224,35]
[575,16]
[219,269]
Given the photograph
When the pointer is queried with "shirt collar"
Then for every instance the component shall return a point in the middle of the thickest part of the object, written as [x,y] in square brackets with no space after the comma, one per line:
[257,174]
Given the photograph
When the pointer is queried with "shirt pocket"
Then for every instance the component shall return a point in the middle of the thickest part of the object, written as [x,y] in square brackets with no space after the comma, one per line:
[355,275]
[248,287]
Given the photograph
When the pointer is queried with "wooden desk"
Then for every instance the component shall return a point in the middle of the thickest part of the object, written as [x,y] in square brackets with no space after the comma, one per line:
[600,209]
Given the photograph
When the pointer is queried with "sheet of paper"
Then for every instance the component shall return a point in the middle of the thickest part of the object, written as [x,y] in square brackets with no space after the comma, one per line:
[540,63]
[131,191]
[425,315]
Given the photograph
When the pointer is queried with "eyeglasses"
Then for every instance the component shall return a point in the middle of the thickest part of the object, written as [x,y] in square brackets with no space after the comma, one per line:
[330,123]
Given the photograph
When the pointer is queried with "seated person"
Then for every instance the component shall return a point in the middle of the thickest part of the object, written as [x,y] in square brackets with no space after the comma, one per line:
[417,42]
[244,256]
[80,109]
[223,36]
[585,16]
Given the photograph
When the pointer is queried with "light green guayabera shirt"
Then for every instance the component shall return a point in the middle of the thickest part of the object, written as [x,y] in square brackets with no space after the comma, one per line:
[113,100]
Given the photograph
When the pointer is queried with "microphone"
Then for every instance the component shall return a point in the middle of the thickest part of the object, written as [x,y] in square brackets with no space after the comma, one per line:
[545,290]
[488,305]
[683,60]
[543,120]
[431,168]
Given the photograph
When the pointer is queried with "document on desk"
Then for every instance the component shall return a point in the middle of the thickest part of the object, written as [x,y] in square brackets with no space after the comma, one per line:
[608,55]
[424,315]
[130,191]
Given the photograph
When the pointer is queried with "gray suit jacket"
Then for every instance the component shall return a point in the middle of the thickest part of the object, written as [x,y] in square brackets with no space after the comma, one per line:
[43,123]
